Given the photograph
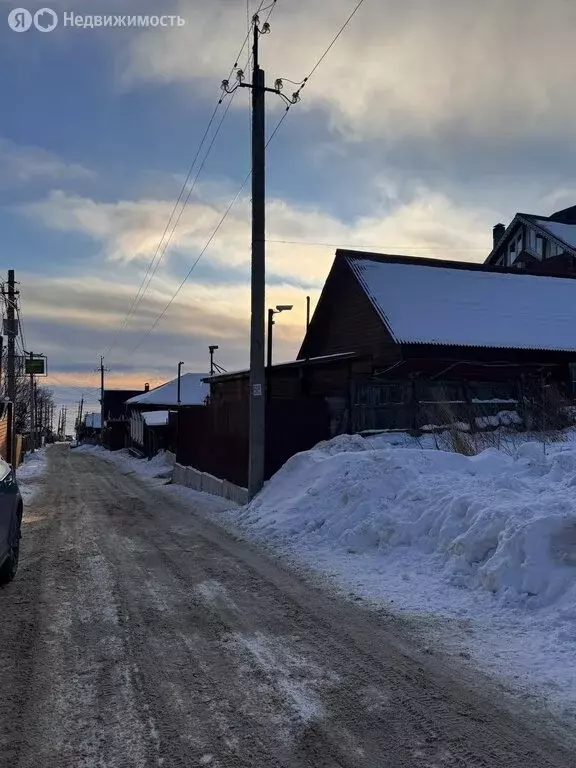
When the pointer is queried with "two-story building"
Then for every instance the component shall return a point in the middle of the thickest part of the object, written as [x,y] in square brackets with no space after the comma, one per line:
[537,243]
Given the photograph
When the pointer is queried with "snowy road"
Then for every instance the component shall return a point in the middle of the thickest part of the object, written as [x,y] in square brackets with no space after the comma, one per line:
[139,635]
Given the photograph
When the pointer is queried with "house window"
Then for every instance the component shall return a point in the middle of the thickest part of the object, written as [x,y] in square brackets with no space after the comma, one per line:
[540,246]
[555,250]
[511,253]
[532,240]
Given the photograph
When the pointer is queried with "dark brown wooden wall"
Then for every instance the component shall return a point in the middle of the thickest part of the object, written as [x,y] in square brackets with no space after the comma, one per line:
[345,320]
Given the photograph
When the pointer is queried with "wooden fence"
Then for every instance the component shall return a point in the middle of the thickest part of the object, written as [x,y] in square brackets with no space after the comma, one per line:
[398,404]
[215,438]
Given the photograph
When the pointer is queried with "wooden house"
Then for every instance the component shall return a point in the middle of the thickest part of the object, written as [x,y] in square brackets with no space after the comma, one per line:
[541,244]
[152,414]
[437,330]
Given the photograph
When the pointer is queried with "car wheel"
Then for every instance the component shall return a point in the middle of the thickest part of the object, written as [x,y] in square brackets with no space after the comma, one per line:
[10,566]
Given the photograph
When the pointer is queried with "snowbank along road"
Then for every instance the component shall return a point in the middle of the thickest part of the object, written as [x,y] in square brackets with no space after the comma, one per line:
[138,634]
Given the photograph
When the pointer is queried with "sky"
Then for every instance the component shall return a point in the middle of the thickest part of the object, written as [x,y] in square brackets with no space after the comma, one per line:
[425,125]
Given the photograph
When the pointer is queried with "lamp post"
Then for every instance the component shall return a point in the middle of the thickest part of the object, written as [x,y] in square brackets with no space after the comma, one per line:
[212,349]
[178,401]
[178,398]
[271,313]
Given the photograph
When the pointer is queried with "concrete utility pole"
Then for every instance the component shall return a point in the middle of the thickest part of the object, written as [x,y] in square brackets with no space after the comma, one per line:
[11,318]
[11,361]
[258,287]
[102,370]
[257,435]
[32,409]
[40,413]
[79,416]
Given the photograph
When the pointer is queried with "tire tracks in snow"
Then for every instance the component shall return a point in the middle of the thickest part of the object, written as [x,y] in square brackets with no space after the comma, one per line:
[140,634]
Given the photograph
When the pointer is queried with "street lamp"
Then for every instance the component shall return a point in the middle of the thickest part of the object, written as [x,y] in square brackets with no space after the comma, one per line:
[212,349]
[271,313]
[180,364]
[178,401]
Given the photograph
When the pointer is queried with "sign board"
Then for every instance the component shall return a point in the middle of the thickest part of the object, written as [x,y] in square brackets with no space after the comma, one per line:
[257,390]
[35,366]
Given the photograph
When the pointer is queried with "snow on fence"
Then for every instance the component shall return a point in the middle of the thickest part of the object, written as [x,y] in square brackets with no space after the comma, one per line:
[202,481]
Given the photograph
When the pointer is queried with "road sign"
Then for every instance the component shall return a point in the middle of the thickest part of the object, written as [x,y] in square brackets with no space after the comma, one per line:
[35,366]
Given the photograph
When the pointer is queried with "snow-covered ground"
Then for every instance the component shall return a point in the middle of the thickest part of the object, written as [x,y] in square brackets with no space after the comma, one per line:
[158,472]
[481,549]
[30,473]
[158,467]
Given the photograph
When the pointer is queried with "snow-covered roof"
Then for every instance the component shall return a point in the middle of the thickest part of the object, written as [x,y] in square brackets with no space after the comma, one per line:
[564,232]
[156,418]
[93,421]
[422,303]
[193,391]
[287,364]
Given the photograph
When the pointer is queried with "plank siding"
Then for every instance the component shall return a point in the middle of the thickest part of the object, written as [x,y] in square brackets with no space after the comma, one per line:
[345,320]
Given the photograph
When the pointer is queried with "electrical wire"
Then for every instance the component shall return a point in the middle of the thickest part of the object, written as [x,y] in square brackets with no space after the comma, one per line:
[187,199]
[270,9]
[239,192]
[380,247]
[206,246]
[334,40]
[142,290]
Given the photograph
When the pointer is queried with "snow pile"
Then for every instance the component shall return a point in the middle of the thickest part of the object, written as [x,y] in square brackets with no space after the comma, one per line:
[30,473]
[157,467]
[502,418]
[489,522]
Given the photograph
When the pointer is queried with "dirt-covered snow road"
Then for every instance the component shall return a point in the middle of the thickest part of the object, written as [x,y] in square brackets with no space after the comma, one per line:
[140,635]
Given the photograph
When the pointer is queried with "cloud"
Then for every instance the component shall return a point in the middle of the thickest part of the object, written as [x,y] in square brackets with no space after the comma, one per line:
[23,164]
[74,318]
[429,223]
[492,71]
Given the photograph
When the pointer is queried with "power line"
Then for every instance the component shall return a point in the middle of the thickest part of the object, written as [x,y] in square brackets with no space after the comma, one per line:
[380,247]
[247,177]
[270,9]
[143,288]
[327,51]
[186,201]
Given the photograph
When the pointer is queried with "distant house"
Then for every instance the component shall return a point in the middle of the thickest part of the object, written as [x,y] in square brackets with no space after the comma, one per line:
[193,391]
[537,243]
[115,426]
[152,414]
[93,421]
[91,427]
[114,403]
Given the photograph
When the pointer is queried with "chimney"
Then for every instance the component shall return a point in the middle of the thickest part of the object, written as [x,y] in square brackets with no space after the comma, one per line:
[498,234]
[146,387]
